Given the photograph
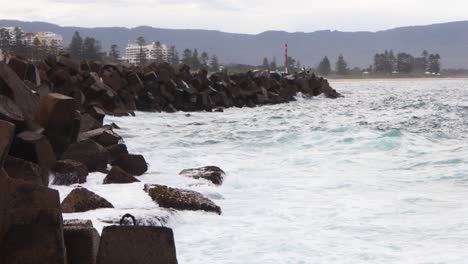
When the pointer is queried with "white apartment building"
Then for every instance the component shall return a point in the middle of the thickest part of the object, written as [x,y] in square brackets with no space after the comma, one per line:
[153,52]
[49,38]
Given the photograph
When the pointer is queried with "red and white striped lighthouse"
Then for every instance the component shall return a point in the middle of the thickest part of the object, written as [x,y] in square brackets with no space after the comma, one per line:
[286,57]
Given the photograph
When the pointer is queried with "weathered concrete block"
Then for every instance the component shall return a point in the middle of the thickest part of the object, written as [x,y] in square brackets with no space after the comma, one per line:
[68,172]
[133,164]
[115,151]
[18,91]
[88,123]
[142,245]
[58,115]
[19,194]
[33,236]
[90,153]
[34,147]
[7,132]
[103,136]
[26,171]
[82,243]
[10,111]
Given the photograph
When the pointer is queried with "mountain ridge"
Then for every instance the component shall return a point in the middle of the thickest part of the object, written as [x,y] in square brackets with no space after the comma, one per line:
[449,39]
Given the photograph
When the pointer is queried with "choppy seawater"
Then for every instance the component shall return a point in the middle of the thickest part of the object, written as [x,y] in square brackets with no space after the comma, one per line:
[380,176]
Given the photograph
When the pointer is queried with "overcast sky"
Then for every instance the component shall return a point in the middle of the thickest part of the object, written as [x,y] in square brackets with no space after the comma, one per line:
[242,16]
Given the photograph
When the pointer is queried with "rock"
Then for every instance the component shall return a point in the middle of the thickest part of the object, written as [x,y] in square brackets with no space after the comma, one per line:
[68,62]
[180,199]
[88,123]
[94,156]
[97,113]
[219,110]
[34,147]
[328,91]
[82,200]
[115,151]
[10,111]
[119,176]
[33,236]
[142,245]
[114,126]
[82,243]
[68,172]
[19,194]
[133,164]
[59,117]
[14,88]
[103,136]
[19,66]
[7,132]
[26,171]
[210,173]
[112,79]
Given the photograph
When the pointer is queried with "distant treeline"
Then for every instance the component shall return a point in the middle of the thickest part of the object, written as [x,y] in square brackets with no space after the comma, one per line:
[196,61]
[387,63]
[384,63]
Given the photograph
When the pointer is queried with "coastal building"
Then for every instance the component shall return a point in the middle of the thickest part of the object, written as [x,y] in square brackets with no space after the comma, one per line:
[50,39]
[29,38]
[46,38]
[153,52]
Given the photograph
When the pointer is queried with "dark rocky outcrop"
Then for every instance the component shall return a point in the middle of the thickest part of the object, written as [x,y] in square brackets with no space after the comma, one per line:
[68,172]
[82,200]
[141,244]
[94,156]
[119,176]
[81,241]
[180,199]
[210,173]
[133,164]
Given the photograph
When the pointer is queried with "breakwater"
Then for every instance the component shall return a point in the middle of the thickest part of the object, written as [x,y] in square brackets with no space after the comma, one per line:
[52,123]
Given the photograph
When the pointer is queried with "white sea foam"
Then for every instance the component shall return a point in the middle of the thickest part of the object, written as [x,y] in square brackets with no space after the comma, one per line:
[379,176]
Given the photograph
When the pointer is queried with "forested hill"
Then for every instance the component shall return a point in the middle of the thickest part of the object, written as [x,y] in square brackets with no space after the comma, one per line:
[450,40]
